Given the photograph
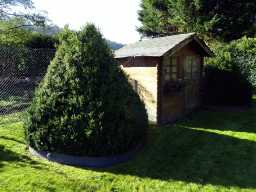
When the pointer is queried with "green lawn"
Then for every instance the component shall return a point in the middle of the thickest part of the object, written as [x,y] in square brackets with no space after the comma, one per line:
[207,151]
[13,104]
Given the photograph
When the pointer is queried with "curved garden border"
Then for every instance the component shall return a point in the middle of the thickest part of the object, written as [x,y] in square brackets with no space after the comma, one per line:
[85,161]
[234,108]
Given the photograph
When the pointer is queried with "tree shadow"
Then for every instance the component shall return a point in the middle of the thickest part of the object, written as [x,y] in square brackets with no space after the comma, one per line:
[12,139]
[13,108]
[193,156]
[11,156]
[8,155]
[146,95]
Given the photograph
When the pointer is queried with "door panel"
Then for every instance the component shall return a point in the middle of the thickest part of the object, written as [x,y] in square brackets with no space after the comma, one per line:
[191,72]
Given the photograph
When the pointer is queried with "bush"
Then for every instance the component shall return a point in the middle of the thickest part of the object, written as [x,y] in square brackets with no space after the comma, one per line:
[225,88]
[238,56]
[40,40]
[85,106]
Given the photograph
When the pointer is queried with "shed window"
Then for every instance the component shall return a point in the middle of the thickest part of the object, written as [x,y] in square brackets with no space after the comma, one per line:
[190,68]
[171,69]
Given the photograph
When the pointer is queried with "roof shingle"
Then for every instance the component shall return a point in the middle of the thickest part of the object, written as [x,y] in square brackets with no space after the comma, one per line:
[154,47]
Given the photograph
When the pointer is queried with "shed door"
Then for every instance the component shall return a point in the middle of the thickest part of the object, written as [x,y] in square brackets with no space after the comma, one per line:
[192,73]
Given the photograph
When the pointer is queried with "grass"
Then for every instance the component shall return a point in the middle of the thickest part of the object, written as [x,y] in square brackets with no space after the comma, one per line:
[207,151]
[13,104]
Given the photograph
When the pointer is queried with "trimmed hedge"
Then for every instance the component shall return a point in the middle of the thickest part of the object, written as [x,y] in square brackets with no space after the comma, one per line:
[85,106]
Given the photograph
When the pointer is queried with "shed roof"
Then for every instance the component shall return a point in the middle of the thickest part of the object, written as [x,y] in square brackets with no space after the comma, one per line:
[163,46]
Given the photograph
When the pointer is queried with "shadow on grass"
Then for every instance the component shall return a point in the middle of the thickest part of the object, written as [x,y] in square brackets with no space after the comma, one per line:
[193,156]
[181,153]
[14,108]
[24,160]
[12,139]
[8,155]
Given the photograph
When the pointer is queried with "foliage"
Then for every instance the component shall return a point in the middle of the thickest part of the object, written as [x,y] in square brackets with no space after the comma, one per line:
[55,30]
[237,56]
[39,40]
[85,106]
[226,88]
[47,29]
[36,18]
[177,84]
[211,20]
[7,5]
[11,35]
[22,62]
[114,45]
[17,58]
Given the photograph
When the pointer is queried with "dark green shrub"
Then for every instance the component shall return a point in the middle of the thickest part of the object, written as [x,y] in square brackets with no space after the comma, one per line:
[237,56]
[40,40]
[85,106]
[226,88]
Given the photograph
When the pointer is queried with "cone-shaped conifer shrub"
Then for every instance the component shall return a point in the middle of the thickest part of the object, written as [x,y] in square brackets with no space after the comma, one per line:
[85,106]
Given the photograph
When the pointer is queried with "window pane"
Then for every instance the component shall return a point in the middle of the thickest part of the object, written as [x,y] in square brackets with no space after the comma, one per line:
[194,63]
[167,69]
[193,75]
[174,69]
[174,61]
[188,75]
[194,69]
[167,76]
[174,75]
[188,66]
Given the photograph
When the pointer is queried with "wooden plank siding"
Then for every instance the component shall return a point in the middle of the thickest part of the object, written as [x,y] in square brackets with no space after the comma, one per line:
[142,73]
[146,75]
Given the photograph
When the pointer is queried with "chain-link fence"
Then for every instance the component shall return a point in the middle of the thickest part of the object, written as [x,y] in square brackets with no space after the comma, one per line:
[21,70]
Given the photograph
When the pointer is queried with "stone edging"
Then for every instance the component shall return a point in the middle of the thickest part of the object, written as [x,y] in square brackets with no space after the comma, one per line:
[234,108]
[85,161]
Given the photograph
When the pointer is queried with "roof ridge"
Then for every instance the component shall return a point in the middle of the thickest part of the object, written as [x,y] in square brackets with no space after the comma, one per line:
[187,34]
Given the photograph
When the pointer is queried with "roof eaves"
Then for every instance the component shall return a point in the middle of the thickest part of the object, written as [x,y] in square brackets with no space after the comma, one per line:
[204,46]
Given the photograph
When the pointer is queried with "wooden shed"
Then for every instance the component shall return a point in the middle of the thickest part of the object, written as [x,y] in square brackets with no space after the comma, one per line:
[155,64]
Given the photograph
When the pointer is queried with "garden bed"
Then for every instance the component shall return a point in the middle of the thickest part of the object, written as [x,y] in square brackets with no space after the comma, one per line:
[85,161]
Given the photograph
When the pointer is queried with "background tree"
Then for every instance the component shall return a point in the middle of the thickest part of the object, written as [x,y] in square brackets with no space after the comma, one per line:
[40,40]
[211,19]
[11,34]
[17,59]
[12,24]
[154,20]
[14,36]
[49,30]
[114,45]
[35,17]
